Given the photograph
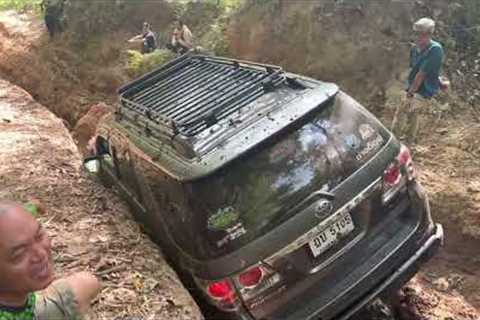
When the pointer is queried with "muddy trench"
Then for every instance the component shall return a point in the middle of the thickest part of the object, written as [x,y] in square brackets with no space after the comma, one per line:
[446,157]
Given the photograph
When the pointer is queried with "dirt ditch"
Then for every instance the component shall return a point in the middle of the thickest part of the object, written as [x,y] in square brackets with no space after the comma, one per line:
[90,227]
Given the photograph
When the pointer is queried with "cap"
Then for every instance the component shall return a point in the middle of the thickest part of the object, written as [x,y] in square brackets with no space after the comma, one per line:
[425,25]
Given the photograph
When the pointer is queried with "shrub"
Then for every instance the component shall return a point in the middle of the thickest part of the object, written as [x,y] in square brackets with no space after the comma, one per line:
[138,63]
[20,5]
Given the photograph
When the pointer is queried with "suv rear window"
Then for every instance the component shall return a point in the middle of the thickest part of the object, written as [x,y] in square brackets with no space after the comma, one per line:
[253,195]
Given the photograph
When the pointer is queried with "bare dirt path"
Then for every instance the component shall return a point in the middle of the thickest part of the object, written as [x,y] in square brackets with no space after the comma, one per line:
[91,228]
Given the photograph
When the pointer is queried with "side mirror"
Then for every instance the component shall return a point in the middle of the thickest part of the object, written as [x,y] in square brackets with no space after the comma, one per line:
[92,164]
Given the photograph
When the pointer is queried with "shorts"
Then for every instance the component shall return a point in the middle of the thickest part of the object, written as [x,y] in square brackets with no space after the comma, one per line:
[57,302]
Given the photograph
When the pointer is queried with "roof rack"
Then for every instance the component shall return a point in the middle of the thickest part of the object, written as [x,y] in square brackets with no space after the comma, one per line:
[193,92]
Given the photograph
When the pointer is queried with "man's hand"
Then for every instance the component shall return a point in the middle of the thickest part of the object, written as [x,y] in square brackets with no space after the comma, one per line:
[415,86]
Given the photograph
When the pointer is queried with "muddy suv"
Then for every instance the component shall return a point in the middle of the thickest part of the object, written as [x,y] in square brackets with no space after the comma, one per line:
[279,195]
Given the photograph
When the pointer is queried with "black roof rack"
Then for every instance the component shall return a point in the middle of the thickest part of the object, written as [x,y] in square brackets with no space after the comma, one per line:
[193,92]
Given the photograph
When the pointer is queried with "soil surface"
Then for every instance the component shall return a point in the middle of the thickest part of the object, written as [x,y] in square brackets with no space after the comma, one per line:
[447,158]
[90,227]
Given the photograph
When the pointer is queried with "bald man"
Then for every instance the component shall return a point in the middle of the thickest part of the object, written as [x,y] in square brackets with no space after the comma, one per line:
[26,267]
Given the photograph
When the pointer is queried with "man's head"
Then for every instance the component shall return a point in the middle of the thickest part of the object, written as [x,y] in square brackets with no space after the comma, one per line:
[179,23]
[25,252]
[146,27]
[424,29]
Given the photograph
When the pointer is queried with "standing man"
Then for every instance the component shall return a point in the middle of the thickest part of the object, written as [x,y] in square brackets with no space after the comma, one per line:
[26,266]
[424,82]
[53,10]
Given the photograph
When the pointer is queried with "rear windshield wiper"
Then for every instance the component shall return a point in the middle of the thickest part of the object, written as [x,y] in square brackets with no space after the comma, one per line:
[326,194]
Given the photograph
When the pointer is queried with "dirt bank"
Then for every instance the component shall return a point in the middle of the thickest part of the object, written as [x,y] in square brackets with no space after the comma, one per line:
[91,228]
[324,39]
[59,76]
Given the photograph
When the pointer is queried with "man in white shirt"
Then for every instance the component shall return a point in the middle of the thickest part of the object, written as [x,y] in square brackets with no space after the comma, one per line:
[182,38]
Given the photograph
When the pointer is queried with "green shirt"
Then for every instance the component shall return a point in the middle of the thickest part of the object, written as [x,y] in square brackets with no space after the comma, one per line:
[58,303]
[429,61]
[23,313]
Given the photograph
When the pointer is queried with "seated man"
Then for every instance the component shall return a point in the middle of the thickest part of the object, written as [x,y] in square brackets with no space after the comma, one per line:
[26,266]
[182,38]
[147,38]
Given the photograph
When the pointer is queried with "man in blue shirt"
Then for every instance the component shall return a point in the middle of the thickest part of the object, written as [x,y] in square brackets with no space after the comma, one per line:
[426,59]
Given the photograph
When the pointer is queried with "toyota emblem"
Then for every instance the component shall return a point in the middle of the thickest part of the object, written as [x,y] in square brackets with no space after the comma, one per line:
[323,208]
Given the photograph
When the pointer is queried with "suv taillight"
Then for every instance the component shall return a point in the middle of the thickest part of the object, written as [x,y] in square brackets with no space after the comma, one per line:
[224,294]
[397,174]
[220,293]
[251,277]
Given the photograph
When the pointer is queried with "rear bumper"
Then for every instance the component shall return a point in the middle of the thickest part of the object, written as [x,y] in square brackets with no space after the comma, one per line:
[391,283]
[406,271]
[409,239]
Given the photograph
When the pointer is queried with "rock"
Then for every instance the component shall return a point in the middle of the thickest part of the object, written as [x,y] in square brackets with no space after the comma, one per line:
[441,284]
[378,310]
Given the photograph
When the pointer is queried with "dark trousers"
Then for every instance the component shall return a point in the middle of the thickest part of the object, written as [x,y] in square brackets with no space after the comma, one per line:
[54,25]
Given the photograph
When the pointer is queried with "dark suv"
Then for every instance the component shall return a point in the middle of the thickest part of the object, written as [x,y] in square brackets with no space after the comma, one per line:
[280,195]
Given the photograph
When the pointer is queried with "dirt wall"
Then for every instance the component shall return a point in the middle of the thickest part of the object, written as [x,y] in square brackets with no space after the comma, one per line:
[90,227]
[362,45]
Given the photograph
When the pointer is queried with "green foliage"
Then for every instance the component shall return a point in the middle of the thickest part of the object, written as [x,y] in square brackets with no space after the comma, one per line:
[214,40]
[465,24]
[20,5]
[138,63]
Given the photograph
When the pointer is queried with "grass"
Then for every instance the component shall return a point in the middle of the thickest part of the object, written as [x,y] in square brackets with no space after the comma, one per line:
[20,5]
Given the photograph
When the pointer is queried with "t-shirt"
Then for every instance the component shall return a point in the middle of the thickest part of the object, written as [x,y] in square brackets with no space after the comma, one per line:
[19,313]
[430,62]
[149,41]
[54,7]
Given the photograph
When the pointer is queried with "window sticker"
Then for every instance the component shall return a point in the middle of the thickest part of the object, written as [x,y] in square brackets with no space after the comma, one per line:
[366,131]
[226,224]
[371,146]
[223,219]
[233,233]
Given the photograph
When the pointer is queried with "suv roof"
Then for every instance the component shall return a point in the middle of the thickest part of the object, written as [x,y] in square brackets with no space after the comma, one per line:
[196,113]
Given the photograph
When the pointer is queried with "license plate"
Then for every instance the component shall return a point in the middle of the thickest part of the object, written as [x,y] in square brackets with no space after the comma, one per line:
[331,235]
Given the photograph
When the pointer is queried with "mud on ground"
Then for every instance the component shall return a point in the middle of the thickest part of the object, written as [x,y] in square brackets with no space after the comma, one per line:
[90,227]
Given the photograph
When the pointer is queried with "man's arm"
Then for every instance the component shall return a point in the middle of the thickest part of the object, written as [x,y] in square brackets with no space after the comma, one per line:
[67,298]
[85,288]
[417,82]
[137,38]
